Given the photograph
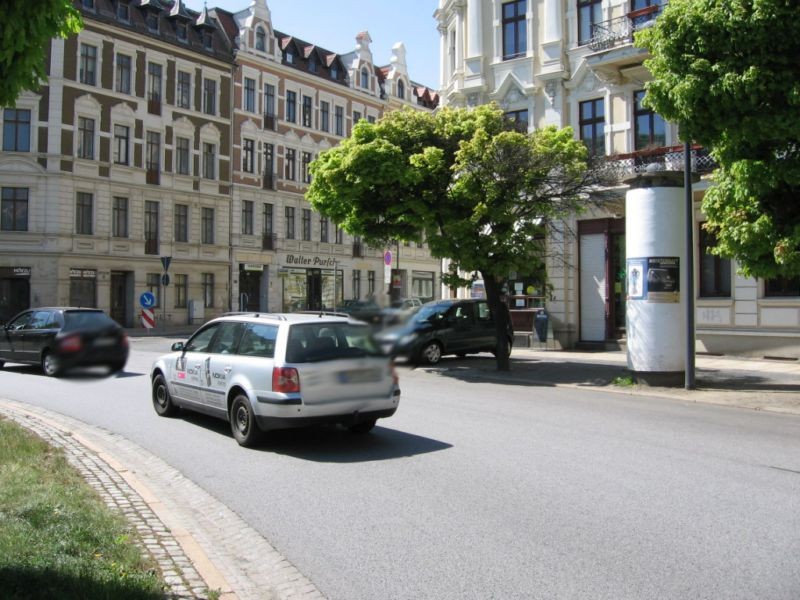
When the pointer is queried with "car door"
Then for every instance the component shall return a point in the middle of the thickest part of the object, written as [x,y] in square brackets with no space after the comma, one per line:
[38,334]
[255,357]
[187,382]
[13,336]
[460,321]
[218,366]
[485,328]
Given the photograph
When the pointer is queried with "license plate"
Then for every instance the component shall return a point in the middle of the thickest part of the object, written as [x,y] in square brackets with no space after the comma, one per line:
[104,342]
[360,376]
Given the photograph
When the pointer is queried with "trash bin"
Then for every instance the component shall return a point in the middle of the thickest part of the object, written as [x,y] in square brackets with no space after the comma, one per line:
[540,325]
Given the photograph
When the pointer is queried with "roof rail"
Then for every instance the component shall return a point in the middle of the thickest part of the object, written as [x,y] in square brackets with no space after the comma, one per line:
[276,316]
[327,313]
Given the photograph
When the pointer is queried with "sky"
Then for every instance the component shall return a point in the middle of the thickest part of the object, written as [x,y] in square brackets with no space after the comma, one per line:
[334,24]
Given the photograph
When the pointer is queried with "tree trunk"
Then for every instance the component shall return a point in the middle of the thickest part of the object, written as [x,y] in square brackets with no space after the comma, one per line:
[501,322]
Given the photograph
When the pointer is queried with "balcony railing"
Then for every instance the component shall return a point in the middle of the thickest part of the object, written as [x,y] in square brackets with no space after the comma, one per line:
[270,180]
[619,31]
[669,157]
[269,241]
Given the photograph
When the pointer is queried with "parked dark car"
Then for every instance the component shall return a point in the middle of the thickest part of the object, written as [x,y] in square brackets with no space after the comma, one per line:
[60,338]
[363,310]
[455,326]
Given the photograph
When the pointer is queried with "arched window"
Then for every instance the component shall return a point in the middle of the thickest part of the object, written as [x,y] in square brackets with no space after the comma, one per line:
[261,40]
[401,89]
[364,78]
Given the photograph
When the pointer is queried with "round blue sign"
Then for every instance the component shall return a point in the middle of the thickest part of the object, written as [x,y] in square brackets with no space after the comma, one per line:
[147,300]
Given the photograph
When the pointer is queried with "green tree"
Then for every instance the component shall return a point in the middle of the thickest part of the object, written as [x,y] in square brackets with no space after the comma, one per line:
[474,189]
[26,28]
[727,72]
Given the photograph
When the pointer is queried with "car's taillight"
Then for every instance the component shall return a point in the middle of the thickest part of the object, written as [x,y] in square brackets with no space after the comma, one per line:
[72,343]
[285,379]
[125,341]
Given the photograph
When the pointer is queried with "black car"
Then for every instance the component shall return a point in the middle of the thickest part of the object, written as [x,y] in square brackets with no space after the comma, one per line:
[456,326]
[61,338]
[363,310]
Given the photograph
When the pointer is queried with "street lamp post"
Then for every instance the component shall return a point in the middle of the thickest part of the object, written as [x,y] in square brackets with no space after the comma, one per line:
[689,381]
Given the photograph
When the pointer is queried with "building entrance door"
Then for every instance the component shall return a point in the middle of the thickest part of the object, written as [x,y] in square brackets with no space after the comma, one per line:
[249,290]
[15,296]
[314,289]
[619,290]
[119,297]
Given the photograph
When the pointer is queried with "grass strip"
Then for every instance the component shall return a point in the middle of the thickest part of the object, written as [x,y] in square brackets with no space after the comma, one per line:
[57,537]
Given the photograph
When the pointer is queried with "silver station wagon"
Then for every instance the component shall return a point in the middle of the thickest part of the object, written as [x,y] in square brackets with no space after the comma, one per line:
[276,371]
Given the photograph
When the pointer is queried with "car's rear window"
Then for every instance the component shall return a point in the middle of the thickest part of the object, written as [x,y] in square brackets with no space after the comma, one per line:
[86,319]
[313,342]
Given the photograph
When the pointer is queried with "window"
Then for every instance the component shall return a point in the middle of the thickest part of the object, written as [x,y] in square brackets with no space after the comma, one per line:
[269,159]
[182,31]
[356,283]
[364,78]
[289,213]
[589,14]
[312,64]
[209,160]
[323,229]
[339,120]
[247,217]
[85,138]
[306,111]
[514,29]
[452,51]
[356,116]
[14,209]
[153,152]
[401,89]
[16,130]
[150,227]
[289,56]
[305,170]
[83,213]
[208,40]
[119,217]
[88,64]
[248,156]
[83,288]
[122,136]
[291,107]
[154,71]
[518,119]
[324,116]
[184,89]
[269,100]
[209,96]
[370,119]
[306,231]
[259,340]
[152,22]
[290,167]
[339,235]
[268,221]
[650,130]
[592,126]
[370,283]
[207,226]
[123,11]
[334,72]
[153,285]
[782,286]
[715,272]
[181,289]
[249,94]
[181,222]
[207,282]
[182,155]
[261,40]
[124,74]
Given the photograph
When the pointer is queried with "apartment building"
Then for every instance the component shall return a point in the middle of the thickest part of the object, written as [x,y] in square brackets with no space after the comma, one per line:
[573,62]
[164,132]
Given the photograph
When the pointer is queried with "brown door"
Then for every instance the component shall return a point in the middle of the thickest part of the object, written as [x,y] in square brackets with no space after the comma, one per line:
[119,297]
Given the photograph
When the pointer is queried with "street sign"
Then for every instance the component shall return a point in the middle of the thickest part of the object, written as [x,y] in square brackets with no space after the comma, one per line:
[165,260]
[165,279]
[148,318]
[387,258]
[147,300]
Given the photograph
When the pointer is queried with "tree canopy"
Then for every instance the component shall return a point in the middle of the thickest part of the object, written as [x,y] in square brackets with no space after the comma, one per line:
[464,181]
[727,72]
[25,32]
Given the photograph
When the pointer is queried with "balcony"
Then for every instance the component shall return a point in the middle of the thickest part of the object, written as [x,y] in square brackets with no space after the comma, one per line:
[669,157]
[270,181]
[619,31]
[269,241]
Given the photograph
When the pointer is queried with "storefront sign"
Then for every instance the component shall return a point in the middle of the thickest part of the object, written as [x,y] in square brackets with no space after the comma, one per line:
[15,271]
[252,267]
[83,273]
[301,260]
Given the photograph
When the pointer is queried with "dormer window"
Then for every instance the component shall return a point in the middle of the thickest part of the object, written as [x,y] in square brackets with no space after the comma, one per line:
[312,65]
[364,78]
[152,22]
[123,11]
[334,72]
[88,4]
[208,40]
[183,32]
[289,57]
[261,40]
[401,89]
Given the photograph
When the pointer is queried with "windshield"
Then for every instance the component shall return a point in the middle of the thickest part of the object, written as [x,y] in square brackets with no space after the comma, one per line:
[430,310]
[315,342]
[86,319]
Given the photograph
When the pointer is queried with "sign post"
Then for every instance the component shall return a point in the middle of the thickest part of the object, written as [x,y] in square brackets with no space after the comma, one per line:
[147,301]
[165,262]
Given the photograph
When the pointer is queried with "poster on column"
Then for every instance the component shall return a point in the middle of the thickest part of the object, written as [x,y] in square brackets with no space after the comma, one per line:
[635,278]
[662,284]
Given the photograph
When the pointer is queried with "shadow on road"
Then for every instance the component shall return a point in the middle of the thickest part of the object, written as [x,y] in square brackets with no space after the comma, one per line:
[74,374]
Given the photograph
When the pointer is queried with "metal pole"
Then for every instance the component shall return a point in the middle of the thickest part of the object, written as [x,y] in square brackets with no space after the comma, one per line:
[689,382]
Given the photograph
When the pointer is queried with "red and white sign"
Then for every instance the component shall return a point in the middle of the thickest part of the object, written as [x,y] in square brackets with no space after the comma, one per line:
[148,318]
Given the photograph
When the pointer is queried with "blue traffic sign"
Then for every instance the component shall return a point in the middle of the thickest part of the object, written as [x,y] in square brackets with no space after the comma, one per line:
[147,300]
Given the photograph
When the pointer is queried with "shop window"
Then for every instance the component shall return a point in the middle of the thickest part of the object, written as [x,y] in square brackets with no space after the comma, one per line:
[83,288]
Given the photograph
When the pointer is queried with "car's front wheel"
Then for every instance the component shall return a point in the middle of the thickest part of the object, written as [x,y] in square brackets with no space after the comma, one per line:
[243,422]
[162,400]
[51,366]
[431,353]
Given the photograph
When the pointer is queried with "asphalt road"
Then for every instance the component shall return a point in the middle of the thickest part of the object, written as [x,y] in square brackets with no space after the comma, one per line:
[485,490]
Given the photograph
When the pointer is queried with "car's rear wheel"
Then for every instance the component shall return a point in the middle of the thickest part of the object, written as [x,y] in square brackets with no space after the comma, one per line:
[431,353]
[162,400]
[51,366]
[116,367]
[243,422]
[2,364]
[362,427]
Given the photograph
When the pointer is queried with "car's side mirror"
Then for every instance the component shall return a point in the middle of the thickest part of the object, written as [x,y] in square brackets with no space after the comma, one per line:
[178,347]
